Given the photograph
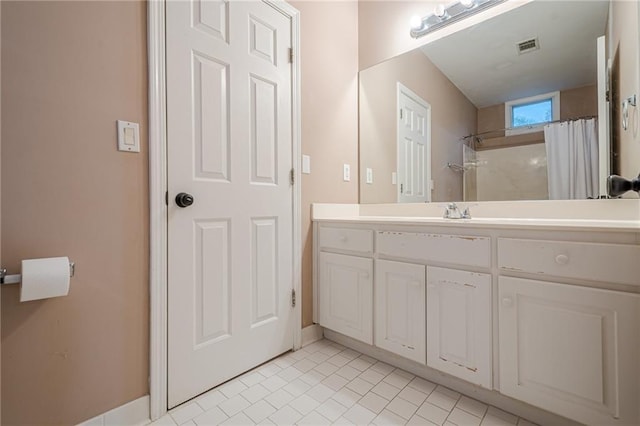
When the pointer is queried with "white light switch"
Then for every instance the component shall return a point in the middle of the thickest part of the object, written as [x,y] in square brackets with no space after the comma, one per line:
[128,136]
[306,164]
[346,173]
[369,175]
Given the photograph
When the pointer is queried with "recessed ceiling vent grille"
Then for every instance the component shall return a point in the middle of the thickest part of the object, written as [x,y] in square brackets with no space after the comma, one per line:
[527,46]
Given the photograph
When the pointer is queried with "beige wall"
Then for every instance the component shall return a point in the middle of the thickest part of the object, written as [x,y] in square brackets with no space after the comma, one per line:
[579,102]
[383,28]
[452,117]
[69,71]
[624,45]
[329,115]
[491,118]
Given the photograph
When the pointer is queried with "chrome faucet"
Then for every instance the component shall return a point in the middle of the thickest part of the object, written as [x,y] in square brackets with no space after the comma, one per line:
[453,212]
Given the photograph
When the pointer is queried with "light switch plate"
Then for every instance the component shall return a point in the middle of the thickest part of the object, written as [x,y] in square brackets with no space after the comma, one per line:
[128,136]
[346,173]
[306,164]
[369,175]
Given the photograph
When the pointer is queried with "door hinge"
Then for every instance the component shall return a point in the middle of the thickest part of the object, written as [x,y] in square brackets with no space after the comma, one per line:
[166,198]
[290,55]
[292,176]
[400,113]
[293,298]
[402,188]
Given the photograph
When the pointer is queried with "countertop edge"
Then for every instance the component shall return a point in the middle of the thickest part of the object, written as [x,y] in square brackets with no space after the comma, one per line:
[540,224]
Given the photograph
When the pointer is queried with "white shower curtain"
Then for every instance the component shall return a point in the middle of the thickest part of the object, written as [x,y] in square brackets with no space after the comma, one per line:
[572,159]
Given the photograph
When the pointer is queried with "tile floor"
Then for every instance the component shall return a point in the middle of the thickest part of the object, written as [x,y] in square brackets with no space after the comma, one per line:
[325,383]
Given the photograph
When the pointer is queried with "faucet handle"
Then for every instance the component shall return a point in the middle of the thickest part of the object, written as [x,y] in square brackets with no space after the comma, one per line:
[466,214]
[451,211]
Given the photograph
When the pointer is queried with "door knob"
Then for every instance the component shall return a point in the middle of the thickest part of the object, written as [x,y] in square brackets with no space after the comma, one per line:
[184,200]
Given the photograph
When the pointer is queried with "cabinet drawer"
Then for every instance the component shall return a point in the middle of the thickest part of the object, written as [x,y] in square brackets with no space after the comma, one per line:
[346,239]
[458,249]
[611,263]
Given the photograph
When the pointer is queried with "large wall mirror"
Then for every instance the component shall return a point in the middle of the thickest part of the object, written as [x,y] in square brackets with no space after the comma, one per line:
[507,109]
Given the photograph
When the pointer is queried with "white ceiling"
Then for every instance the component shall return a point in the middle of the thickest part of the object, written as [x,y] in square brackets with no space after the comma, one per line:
[483,62]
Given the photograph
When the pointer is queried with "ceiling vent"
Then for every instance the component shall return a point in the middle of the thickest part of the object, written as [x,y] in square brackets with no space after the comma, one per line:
[527,46]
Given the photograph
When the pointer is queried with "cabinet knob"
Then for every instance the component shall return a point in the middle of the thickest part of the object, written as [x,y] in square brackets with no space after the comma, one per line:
[507,301]
[562,259]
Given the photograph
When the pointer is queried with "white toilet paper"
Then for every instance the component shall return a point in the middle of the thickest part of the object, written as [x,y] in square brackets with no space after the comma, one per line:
[44,278]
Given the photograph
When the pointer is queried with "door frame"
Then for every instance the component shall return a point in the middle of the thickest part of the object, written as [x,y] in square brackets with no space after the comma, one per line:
[401,88]
[158,209]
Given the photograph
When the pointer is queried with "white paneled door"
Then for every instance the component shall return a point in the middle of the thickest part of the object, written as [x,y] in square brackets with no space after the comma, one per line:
[230,272]
[414,147]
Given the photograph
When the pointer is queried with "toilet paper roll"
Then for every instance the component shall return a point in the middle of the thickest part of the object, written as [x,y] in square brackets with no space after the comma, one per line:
[44,278]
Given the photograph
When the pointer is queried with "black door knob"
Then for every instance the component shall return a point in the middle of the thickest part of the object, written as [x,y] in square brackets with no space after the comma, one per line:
[184,200]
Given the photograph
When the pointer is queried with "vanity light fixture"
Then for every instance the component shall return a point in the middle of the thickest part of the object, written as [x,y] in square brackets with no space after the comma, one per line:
[416,22]
[444,15]
[468,3]
[441,12]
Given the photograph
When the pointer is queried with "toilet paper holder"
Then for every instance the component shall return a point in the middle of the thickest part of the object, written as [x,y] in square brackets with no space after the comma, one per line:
[15,278]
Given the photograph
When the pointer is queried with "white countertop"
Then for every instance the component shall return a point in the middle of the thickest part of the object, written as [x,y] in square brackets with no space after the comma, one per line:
[593,215]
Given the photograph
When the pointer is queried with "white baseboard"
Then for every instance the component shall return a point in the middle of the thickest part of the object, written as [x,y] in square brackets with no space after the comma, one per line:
[311,334]
[132,413]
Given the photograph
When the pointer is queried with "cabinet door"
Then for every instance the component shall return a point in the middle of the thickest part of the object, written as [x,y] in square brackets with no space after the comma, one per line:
[459,324]
[400,309]
[571,350]
[346,295]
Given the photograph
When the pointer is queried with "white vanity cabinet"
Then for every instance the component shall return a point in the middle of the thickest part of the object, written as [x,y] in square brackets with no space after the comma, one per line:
[400,309]
[459,324]
[570,349]
[536,314]
[346,282]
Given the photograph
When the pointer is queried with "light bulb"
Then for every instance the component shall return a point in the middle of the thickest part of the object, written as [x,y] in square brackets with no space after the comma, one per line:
[440,11]
[416,22]
[468,3]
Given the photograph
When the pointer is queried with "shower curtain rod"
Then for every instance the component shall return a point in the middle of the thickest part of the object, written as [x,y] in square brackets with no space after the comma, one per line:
[476,135]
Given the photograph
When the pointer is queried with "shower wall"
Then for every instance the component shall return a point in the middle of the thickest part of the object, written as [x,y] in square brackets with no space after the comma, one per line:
[515,173]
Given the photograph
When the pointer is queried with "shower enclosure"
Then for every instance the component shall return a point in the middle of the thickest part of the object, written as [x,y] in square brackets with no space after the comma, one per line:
[513,173]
